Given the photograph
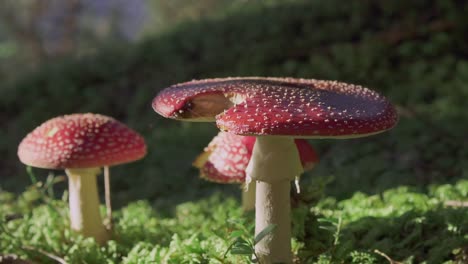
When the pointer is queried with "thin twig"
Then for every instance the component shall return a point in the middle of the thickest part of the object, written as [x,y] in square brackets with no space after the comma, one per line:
[386,257]
[45,253]
[456,203]
[107,190]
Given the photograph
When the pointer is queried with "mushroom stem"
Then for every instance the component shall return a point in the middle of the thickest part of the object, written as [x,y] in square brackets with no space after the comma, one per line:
[273,207]
[248,197]
[274,164]
[85,217]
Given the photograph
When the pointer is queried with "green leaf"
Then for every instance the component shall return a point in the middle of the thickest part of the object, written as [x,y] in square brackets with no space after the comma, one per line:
[239,246]
[331,220]
[329,228]
[267,230]
[240,240]
[240,249]
[236,234]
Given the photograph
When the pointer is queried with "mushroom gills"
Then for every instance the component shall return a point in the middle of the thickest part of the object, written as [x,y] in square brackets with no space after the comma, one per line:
[205,107]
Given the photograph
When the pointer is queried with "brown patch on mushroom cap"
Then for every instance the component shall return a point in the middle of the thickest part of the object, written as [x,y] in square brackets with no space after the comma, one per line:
[226,157]
[81,141]
[282,106]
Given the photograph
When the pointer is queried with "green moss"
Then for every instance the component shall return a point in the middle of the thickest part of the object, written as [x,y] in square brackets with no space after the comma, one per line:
[400,223]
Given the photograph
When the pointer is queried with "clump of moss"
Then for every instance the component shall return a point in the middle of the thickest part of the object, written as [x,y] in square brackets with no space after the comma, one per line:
[401,223]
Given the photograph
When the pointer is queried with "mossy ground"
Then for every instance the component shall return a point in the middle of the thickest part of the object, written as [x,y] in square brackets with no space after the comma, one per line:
[407,225]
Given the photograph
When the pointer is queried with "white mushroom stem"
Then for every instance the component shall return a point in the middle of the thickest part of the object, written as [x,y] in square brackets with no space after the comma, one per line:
[85,217]
[248,197]
[274,164]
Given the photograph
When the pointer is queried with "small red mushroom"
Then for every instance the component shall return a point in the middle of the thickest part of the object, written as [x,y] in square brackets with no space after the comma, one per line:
[80,144]
[277,110]
[225,159]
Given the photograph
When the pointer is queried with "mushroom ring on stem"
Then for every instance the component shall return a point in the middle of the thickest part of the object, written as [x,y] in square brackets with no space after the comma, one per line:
[225,159]
[80,144]
[277,110]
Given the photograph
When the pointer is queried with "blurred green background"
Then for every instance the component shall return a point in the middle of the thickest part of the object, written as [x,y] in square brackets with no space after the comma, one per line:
[112,57]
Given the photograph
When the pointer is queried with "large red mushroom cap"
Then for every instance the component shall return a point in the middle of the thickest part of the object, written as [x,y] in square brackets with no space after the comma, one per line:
[81,141]
[280,106]
[226,157]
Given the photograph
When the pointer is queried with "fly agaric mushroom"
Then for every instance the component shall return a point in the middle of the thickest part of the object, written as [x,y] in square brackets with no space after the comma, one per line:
[277,110]
[225,158]
[80,144]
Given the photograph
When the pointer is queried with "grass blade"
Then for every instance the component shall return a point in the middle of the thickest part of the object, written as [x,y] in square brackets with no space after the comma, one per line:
[267,230]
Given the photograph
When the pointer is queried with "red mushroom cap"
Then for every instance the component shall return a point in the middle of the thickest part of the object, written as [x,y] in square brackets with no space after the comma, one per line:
[81,141]
[280,106]
[226,157]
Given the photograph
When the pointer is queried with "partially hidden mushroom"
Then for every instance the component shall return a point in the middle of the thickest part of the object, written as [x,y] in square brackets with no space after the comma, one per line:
[225,159]
[81,144]
[276,111]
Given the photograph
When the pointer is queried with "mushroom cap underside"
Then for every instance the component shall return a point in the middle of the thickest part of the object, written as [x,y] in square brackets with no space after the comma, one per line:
[259,106]
[81,141]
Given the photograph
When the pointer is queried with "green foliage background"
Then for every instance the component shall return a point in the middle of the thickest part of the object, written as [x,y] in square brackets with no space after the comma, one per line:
[414,52]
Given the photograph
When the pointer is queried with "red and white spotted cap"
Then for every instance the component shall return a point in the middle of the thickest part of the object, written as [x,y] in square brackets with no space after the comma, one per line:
[306,108]
[81,141]
[225,158]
